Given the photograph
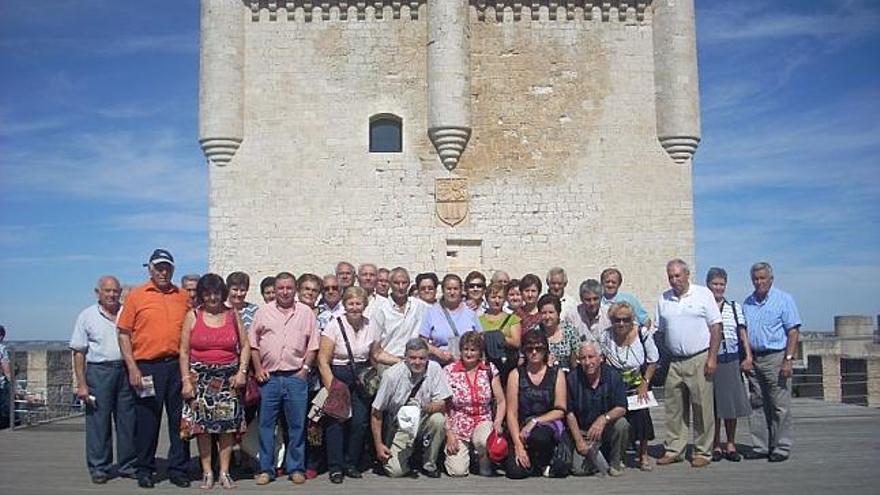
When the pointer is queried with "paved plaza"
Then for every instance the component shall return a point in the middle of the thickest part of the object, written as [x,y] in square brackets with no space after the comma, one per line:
[836,452]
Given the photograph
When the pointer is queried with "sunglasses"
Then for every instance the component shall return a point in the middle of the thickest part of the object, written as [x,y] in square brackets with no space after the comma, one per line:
[476,286]
[621,320]
[534,348]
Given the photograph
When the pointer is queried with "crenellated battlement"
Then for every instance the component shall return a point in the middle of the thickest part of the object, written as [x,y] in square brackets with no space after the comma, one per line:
[627,11]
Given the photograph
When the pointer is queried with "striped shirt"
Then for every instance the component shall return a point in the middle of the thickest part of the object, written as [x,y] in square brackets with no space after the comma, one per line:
[729,330]
[770,320]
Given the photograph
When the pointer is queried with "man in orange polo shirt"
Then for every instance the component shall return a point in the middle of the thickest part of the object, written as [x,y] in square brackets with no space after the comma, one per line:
[149,338]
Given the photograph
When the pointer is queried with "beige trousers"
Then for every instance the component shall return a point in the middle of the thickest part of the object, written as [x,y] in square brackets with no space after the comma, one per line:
[459,463]
[690,400]
[432,433]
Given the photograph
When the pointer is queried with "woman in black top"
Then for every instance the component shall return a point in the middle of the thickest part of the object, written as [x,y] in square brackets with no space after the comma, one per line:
[536,405]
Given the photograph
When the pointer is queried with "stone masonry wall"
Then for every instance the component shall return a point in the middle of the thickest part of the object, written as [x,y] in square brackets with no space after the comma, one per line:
[563,166]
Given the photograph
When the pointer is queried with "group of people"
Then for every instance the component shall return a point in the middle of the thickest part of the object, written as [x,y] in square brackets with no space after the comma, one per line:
[491,375]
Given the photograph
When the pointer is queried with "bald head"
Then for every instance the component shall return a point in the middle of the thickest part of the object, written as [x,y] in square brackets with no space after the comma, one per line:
[107,291]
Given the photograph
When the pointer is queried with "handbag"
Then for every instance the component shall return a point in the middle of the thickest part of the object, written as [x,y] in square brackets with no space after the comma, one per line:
[316,412]
[337,405]
[252,391]
[366,377]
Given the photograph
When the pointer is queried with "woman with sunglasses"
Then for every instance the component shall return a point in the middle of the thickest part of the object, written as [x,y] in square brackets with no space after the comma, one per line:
[475,287]
[630,349]
[536,404]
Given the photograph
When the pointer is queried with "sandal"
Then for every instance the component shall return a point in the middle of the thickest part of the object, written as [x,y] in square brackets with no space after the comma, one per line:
[226,481]
[645,464]
[207,481]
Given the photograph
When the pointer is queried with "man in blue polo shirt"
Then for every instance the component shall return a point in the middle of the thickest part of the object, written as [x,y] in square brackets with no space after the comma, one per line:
[773,321]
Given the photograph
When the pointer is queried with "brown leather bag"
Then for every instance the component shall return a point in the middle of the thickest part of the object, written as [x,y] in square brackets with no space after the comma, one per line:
[338,403]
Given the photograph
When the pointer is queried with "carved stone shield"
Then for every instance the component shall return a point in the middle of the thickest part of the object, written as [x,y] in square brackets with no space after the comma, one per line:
[451,196]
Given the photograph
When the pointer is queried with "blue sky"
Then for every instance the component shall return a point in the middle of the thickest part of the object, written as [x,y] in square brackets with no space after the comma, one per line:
[99,160]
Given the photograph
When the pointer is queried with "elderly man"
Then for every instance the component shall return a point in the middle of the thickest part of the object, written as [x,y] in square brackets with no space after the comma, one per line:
[557,280]
[383,281]
[691,323]
[611,279]
[345,274]
[102,385]
[366,276]
[774,324]
[284,340]
[188,283]
[419,382]
[596,406]
[149,339]
[398,320]
[331,301]
[590,316]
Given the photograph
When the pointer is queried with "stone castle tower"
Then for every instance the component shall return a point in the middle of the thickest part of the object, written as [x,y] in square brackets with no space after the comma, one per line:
[449,135]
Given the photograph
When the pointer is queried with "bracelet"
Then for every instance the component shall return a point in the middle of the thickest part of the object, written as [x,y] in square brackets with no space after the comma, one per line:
[307,367]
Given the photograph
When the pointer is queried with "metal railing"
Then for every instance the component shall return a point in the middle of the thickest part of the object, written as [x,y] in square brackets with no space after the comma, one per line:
[39,405]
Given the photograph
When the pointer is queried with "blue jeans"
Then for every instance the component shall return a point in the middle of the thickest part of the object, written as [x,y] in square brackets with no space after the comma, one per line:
[108,382]
[290,395]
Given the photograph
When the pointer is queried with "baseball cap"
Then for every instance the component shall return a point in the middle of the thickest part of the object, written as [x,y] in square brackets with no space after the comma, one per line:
[496,447]
[160,256]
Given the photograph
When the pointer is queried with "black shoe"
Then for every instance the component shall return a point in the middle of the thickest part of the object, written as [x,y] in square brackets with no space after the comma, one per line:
[752,456]
[431,473]
[100,479]
[337,477]
[353,473]
[180,480]
[733,456]
[774,457]
[717,455]
[145,481]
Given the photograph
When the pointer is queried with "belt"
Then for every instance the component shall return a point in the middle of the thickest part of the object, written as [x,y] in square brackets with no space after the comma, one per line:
[284,372]
[109,364]
[766,352]
[166,359]
[685,358]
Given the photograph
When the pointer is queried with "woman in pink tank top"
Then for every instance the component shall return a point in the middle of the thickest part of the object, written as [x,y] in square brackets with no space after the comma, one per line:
[214,355]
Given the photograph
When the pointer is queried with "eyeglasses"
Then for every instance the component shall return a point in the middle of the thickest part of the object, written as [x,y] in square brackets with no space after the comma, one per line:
[621,320]
[476,286]
[534,348]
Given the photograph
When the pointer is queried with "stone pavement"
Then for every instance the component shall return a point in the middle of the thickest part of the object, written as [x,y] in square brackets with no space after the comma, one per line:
[836,451]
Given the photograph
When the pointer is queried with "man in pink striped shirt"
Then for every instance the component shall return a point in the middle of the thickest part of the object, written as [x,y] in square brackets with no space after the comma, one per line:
[284,339]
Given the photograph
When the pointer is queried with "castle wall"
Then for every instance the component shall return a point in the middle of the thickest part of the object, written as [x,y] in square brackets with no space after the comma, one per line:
[563,166]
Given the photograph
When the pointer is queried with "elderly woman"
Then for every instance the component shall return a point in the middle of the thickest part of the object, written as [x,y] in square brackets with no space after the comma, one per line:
[446,321]
[504,350]
[530,288]
[238,284]
[563,339]
[426,284]
[308,290]
[214,355]
[734,357]
[469,416]
[536,404]
[475,287]
[630,349]
[345,350]
[591,317]
[514,297]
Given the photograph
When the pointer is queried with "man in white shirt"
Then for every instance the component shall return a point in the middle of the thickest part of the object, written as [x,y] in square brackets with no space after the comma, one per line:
[399,318]
[691,323]
[557,280]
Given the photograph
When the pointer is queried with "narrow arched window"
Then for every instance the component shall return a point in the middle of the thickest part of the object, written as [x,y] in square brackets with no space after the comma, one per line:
[386,133]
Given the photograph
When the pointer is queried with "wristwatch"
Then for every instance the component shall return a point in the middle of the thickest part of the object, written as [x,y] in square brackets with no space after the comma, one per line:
[789,357]
[608,418]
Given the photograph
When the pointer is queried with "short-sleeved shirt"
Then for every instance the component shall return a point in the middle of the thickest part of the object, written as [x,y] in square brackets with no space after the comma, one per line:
[685,319]
[360,341]
[729,331]
[568,346]
[471,402]
[590,327]
[503,324]
[94,335]
[284,337]
[398,324]
[398,382]
[640,313]
[628,359]
[154,318]
[770,320]
[588,403]
[247,314]
[435,326]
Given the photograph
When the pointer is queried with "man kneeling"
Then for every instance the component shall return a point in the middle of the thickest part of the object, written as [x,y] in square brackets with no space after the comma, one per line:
[411,399]
[596,406]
